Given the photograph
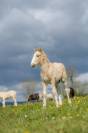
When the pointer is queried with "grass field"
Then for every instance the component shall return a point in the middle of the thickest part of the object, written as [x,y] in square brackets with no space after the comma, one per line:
[32,118]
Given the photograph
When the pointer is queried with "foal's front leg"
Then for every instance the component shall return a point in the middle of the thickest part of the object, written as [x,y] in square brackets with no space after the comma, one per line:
[67,89]
[55,95]
[44,93]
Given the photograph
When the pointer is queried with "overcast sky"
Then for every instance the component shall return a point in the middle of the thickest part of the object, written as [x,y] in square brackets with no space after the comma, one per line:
[58,26]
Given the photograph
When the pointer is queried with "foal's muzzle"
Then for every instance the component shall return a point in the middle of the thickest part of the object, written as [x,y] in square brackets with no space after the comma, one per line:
[32,65]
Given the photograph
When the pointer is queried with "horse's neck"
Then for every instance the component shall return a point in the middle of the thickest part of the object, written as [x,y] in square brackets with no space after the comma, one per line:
[45,67]
[45,63]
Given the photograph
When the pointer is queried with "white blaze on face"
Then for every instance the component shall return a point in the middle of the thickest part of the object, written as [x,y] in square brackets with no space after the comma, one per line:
[34,61]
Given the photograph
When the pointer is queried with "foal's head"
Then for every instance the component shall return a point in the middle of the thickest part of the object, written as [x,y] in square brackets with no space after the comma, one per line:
[39,57]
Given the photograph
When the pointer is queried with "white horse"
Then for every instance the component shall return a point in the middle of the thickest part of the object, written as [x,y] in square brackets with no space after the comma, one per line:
[51,73]
[8,94]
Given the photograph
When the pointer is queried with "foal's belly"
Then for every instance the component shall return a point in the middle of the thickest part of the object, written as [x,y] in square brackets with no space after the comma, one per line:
[46,79]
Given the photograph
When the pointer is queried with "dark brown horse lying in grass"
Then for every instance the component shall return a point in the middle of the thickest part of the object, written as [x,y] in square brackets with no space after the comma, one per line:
[33,97]
[38,96]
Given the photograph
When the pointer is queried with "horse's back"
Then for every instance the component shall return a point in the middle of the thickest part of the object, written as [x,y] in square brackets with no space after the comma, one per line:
[59,70]
[11,93]
[58,65]
[6,94]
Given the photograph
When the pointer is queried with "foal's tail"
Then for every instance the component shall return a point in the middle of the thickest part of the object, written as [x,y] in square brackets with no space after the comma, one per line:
[72,92]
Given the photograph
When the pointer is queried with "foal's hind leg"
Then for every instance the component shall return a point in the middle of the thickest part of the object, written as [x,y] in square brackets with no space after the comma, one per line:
[67,89]
[44,94]
[55,95]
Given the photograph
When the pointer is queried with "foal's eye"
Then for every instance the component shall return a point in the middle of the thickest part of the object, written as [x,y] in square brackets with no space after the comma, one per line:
[37,55]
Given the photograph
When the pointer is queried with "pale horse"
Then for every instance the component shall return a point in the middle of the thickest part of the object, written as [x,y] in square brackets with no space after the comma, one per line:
[8,94]
[51,73]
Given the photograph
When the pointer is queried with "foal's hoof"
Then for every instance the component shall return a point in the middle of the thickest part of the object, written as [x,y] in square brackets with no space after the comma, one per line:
[58,106]
[60,103]
[69,102]
[44,106]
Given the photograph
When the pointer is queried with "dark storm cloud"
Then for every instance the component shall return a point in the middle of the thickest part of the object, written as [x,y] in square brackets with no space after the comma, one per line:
[59,26]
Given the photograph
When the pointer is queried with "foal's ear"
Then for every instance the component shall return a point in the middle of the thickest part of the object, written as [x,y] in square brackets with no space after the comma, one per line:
[39,49]
[34,50]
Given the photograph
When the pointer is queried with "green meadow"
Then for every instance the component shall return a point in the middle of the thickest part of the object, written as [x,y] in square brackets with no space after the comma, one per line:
[32,118]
